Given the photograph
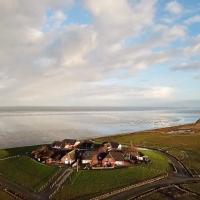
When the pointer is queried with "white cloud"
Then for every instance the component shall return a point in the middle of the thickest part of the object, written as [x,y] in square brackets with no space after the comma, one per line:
[57,63]
[162,92]
[174,7]
[193,20]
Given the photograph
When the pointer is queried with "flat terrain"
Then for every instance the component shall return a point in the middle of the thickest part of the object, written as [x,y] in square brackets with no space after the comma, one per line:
[181,141]
[5,196]
[4,153]
[89,183]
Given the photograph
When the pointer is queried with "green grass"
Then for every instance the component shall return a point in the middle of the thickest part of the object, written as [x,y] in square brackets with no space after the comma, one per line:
[5,196]
[26,172]
[184,146]
[89,183]
[17,151]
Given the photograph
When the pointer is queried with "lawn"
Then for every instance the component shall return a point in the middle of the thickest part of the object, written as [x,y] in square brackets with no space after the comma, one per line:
[26,172]
[17,151]
[89,183]
[184,146]
[5,196]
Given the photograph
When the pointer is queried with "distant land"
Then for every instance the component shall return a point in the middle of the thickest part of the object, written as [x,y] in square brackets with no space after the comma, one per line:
[94,108]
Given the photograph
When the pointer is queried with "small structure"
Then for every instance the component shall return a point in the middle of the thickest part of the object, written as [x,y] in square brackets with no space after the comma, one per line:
[68,143]
[88,156]
[57,145]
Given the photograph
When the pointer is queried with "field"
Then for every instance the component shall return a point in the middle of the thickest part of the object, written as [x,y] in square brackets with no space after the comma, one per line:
[5,196]
[22,169]
[17,151]
[85,184]
[182,144]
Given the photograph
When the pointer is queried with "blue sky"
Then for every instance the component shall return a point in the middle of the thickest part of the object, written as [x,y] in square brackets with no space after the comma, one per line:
[100,53]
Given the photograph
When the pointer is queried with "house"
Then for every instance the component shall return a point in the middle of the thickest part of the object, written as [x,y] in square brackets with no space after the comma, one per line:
[42,154]
[67,159]
[88,156]
[115,159]
[57,145]
[86,145]
[68,143]
[112,145]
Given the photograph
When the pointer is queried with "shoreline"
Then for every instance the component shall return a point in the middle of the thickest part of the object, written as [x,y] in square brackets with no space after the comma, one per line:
[168,128]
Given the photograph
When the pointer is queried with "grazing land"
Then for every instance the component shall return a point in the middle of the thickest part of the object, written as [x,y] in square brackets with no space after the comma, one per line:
[4,153]
[26,172]
[5,196]
[181,141]
[17,167]
[87,183]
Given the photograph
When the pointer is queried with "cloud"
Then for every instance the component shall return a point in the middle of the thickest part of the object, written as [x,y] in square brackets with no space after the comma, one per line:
[45,59]
[193,20]
[188,66]
[174,7]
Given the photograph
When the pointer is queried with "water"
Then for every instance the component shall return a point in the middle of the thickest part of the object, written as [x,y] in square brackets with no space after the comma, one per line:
[28,126]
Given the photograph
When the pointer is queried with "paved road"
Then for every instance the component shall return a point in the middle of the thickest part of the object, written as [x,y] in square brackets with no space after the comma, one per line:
[133,193]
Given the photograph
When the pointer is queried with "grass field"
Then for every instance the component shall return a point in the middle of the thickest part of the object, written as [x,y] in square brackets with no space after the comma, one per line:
[184,146]
[88,183]
[5,196]
[26,172]
[17,151]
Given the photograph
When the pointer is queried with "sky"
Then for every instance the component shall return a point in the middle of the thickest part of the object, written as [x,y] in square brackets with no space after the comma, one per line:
[99,53]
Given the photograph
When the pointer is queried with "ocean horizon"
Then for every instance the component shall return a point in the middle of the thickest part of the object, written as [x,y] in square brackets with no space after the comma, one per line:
[23,126]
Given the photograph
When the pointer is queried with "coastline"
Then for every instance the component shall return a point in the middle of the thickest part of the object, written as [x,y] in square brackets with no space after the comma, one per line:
[165,129]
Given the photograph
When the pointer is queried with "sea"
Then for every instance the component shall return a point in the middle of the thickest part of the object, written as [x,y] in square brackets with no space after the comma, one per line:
[23,126]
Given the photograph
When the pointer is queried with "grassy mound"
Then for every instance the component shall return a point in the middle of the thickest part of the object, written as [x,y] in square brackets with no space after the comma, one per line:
[26,172]
[88,183]
[184,146]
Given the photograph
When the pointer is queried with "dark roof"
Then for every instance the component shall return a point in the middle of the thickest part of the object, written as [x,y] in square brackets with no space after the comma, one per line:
[56,143]
[88,155]
[69,141]
[101,156]
[114,144]
[117,155]
[86,144]
[198,121]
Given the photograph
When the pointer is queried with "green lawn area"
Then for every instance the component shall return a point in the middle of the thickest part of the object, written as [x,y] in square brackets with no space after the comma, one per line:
[85,184]
[184,146]
[26,172]
[17,151]
[5,196]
